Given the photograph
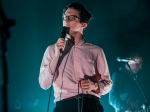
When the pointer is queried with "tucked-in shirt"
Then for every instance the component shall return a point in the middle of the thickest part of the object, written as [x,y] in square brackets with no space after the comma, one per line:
[81,61]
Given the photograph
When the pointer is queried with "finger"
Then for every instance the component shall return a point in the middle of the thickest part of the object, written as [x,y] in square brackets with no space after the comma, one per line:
[60,47]
[106,82]
[60,39]
[85,85]
[86,89]
[60,44]
[79,79]
[82,82]
[85,81]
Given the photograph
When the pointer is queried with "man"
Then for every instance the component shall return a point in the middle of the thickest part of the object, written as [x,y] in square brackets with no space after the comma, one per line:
[81,66]
[125,95]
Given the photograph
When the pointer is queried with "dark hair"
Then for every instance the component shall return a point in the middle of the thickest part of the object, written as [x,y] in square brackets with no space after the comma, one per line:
[133,55]
[83,12]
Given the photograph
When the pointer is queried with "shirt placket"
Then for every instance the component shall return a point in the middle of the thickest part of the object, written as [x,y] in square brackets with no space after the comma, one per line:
[76,64]
[74,60]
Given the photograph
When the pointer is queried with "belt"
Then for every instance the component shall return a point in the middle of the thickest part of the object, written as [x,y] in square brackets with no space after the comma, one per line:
[82,95]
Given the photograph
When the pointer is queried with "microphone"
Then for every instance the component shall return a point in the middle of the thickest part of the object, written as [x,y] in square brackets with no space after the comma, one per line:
[125,60]
[64,31]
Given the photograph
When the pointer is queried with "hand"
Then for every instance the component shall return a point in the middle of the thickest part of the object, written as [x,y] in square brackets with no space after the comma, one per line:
[60,44]
[87,85]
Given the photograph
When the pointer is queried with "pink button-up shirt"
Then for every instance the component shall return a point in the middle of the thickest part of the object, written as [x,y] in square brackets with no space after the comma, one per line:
[83,60]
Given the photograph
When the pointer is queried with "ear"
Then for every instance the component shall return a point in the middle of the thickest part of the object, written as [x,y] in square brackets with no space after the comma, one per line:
[84,25]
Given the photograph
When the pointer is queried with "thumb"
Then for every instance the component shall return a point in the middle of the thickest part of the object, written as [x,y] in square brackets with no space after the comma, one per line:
[79,79]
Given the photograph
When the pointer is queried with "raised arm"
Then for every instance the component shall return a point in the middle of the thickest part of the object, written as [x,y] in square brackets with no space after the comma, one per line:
[49,63]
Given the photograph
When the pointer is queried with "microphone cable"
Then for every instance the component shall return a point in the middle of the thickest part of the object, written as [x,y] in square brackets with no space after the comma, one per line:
[79,98]
[54,76]
[51,86]
[80,110]
[64,31]
[52,83]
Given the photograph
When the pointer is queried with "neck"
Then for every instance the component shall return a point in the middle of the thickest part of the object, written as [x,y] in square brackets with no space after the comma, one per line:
[75,37]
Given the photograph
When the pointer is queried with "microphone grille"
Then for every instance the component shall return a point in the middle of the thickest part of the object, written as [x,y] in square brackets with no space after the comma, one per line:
[118,59]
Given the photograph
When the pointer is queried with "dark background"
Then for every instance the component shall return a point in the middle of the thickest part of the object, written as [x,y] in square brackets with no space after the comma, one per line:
[119,27]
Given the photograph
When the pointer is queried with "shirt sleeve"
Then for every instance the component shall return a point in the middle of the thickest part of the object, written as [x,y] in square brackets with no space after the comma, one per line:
[46,76]
[114,95]
[105,82]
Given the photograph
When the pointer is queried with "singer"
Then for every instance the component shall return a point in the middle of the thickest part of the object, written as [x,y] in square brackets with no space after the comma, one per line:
[80,71]
[125,95]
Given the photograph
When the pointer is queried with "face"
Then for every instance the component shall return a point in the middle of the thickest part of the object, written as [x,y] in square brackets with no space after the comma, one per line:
[136,65]
[71,19]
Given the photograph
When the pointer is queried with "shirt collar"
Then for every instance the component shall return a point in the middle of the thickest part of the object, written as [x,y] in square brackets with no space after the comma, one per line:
[80,43]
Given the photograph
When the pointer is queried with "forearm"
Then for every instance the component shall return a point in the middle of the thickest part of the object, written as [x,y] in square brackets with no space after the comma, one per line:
[45,77]
[104,86]
[53,64]
[47,72]
[104,81]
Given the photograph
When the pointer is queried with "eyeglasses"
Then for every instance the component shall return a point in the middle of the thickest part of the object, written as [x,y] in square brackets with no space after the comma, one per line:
[70,18]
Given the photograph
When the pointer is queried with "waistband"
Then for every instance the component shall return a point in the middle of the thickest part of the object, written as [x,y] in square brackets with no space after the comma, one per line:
[82,95]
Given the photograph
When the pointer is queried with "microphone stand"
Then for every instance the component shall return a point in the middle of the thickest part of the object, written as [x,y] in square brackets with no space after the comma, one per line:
[4,35]
[135,79]
[5,75]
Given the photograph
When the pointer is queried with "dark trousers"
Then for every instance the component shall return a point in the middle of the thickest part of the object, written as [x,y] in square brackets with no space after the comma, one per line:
[71,105]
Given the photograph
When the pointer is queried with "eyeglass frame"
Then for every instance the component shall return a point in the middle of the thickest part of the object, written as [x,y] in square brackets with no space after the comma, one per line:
[64,17]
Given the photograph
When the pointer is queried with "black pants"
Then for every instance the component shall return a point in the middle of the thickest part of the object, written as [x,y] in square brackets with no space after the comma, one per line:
[71,105]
